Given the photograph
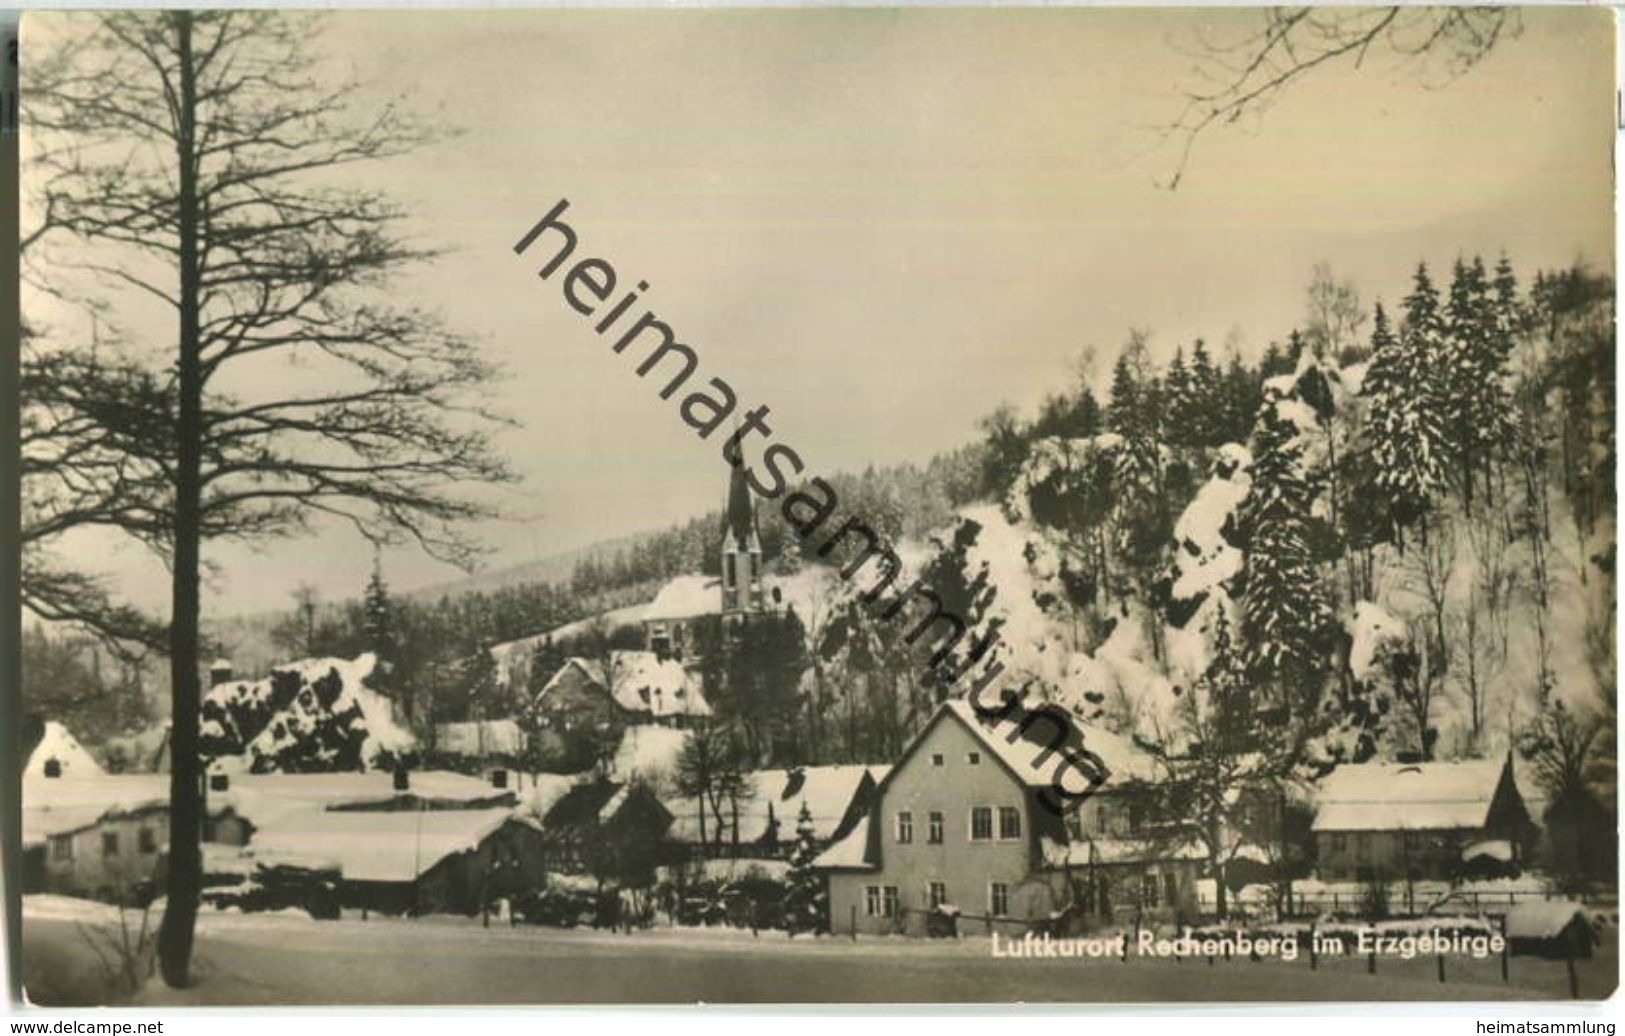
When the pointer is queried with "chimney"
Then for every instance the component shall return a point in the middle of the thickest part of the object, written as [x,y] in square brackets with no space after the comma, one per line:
[499,779]
[219,672]
[403,779]
[53,767]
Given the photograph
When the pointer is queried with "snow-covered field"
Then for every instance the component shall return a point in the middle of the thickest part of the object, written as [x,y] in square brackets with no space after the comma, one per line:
[259,959]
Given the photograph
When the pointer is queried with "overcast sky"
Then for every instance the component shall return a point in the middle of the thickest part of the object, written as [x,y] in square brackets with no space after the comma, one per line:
[882,224]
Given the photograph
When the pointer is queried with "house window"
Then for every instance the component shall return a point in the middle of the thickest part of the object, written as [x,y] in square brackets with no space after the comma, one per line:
[730,577]
[880,900]
[1136,816]
[1170,888]
[998,899]
[974,758]
[109,843]
[1009,822]
[147,840]
[1148,890]
[62,848]
[936,894]
[933,832]
[936,758]
[905,827]
[981,824]
[1340,841]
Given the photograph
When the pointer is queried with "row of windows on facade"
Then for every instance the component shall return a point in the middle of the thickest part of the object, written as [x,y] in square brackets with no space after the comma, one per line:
[981,825]
[884,900]
[1134,813]
[146,843]
[1364,841]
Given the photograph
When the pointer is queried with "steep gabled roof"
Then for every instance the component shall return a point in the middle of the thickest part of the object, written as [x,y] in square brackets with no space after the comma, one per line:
[1023,743]
[774,804]
[1408,796]
[72,760]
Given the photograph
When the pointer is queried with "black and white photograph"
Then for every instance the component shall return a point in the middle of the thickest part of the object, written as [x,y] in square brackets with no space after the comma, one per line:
[816,505]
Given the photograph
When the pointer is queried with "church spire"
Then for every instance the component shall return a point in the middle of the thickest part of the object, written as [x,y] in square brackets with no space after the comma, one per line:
[741,549]
[739,518]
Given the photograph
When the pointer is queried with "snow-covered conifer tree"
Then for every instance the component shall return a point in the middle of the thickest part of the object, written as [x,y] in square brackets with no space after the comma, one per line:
[804,898]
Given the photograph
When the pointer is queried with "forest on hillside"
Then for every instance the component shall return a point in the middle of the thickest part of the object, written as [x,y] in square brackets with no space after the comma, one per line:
[1391,535]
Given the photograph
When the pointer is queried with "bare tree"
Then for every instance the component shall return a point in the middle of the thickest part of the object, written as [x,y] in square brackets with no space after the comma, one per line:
[1335,315]
[1241,75]
[1416,666]
[202,168]
[1485,621]
[78,406]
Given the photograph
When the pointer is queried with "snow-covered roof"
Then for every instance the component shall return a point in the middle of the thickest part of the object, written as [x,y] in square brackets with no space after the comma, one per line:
[59,744]
[1407,796]
[382,846]
[1542,919]
[850,853]
[485,737]
[776,797]
[1026,750]
[57,806]
[590,803]
[684,597]
[1491,848]
[641,681]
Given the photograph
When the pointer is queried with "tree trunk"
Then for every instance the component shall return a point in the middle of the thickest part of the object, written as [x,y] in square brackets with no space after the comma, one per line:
[185,771]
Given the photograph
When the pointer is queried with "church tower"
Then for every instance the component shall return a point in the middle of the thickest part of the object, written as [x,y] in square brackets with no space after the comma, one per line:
[742,591]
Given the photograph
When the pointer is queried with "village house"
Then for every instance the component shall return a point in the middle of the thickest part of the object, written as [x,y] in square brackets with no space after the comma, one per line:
[426,861]
[101,837]
[1420,821]
[632,688]
[964,823]
[606,828]
[419,842]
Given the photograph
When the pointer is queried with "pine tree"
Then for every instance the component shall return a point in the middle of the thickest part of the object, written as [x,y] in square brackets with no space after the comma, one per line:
[1286,614]
[1180,403]
[1123,412]
[805,905]
[1406,449]
[1477,407]
[1208,414]
[378,615]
